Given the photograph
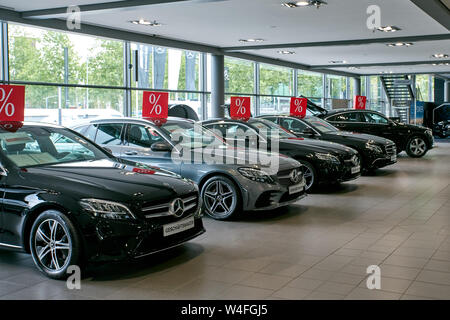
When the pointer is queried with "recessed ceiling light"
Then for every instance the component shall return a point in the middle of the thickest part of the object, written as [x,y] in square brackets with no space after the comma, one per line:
[385,72]
[388,29]
[143,22]
[286,52]
[337,61]
[400,44]
[251,40]
[440,55]
[441,64]
[354,68]
[304,3]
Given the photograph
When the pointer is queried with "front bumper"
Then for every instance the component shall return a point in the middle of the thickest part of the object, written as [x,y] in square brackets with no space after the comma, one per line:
[336,173]
[259,196]
[119,240]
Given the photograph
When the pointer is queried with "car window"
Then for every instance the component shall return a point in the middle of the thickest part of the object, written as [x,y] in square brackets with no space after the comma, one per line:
[293,125]
[142,136]
[375,118]
[34,146]
[347,117]
[109,134]
[272,119]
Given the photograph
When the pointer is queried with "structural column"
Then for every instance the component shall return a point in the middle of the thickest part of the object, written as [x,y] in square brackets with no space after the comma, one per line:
[447,91]
[357,86]
[217,86]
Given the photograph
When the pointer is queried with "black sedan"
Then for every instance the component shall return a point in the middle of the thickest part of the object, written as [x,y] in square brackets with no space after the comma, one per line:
[376,152]
[322,162]
[415,140]
[67,201]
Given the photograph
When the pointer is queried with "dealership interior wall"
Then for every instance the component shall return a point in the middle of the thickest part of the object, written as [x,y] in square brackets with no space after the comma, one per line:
[316,249]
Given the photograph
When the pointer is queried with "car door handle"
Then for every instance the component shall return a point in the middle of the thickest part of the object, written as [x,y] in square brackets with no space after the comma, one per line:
[130,153]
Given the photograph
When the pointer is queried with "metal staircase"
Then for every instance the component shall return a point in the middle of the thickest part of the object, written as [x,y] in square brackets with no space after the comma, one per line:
[399,90]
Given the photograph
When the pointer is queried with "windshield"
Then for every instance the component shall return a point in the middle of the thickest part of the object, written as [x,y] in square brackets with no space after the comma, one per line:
[321,125]
[190,135]
[38,146]
[270,129]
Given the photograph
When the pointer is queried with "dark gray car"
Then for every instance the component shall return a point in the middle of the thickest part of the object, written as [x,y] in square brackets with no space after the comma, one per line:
[228,187]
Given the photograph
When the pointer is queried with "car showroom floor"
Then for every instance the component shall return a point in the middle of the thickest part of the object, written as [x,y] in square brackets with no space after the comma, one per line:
[319,248]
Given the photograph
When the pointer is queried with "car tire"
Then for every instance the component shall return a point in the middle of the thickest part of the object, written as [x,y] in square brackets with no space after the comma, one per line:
[55,244]
[416,147]
[309,173]
[221,198]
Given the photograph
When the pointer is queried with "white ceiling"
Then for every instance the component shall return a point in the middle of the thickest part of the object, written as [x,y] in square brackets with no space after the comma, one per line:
[223,23]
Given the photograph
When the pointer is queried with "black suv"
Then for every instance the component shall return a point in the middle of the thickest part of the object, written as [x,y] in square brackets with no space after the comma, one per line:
[415,140]
[67,201]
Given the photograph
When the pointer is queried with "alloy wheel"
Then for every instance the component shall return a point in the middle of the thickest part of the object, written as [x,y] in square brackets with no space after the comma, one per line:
[52,245]
[308,173]
[417,146]
[219,199]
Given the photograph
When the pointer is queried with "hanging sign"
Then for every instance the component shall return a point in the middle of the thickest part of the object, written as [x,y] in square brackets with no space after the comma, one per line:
[298,107]
[155,106]
[360,102]
[240,108]
[12,103]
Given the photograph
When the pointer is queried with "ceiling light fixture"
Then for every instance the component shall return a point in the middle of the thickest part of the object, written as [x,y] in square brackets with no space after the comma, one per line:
[251,40]
[354,68]
[400,44]
[286,52]
[144,22]
[388,29]
[304,3]
[441,64]
[385,72]
[440,55]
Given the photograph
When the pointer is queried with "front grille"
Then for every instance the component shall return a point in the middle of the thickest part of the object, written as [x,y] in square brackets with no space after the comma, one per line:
[391,149]
[162,209]
[284,177]
[352,161]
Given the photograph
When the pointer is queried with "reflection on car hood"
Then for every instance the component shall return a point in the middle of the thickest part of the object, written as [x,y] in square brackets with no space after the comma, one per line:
[246,157]
[92,178]
[361,137]
[312,145]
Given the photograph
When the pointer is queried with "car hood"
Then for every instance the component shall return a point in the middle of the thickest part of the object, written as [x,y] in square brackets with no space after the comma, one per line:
[239,157]
[108,179]
[412,127]
[359,137]
[312,145]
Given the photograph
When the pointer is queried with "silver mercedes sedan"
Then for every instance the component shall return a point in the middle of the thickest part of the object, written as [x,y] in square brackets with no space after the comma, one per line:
[231,180]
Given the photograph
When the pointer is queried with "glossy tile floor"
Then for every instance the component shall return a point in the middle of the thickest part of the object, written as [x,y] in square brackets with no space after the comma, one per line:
[319,248]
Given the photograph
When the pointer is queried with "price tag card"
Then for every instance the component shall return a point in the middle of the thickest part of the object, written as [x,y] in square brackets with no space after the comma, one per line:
[240,108]
[360,102]
[155,106]
[12,103]
[298,107]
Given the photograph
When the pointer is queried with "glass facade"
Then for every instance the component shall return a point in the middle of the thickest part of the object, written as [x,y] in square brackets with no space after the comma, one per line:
[69,77]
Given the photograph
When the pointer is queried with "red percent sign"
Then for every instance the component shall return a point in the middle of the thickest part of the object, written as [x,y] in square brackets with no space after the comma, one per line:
[155,106]
[240,108]
[12,103]
[360,102]
[298,107]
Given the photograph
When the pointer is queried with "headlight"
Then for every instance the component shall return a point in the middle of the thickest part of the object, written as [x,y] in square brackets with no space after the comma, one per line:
[107,209]
[255,175]
[327,157]
[374,147]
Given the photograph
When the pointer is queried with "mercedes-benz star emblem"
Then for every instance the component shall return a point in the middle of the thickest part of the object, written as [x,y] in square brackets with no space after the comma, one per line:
[295,176]
[355,160]
[176,207]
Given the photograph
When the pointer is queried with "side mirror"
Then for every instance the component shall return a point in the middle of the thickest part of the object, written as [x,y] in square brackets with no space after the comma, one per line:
[308,131]
[161,147]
